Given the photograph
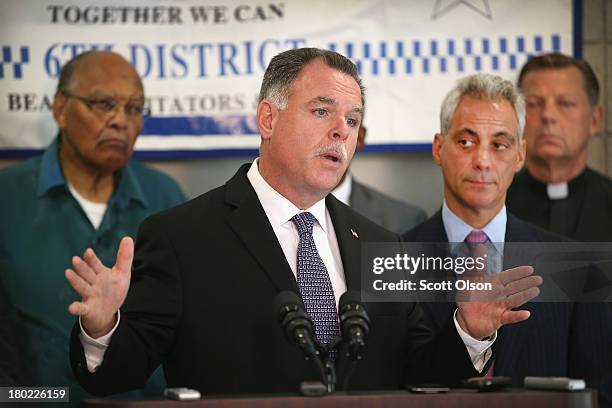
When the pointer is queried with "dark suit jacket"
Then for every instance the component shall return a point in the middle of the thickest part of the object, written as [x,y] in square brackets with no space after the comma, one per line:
[204,280]
[12,364]
[559,339]
[393,214]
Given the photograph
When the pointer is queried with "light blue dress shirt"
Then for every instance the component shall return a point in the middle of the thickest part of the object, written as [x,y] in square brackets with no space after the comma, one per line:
[457,230]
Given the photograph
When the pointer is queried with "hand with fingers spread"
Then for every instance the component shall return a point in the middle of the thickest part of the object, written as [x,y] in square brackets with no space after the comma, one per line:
[482,312]
[102,290]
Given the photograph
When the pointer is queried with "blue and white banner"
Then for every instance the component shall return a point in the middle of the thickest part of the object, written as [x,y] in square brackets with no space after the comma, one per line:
[202,61]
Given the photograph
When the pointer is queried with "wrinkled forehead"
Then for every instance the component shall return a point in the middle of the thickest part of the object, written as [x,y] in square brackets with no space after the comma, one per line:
[318,80]
[497,112]
[106,72]
[553,79]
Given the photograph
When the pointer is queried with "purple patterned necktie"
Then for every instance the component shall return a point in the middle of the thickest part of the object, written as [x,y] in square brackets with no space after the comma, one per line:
[476,237]
[476,241]
[314,283]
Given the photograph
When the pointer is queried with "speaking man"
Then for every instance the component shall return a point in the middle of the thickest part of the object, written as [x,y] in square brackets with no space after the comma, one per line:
[206,273]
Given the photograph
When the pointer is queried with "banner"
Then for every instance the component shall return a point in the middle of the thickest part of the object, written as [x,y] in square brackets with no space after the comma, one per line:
[202,61]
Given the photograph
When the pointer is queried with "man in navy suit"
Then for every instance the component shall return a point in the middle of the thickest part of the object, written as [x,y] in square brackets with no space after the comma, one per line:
[479,149]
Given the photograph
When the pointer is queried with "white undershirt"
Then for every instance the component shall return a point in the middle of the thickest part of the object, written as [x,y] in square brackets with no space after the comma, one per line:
[94,211]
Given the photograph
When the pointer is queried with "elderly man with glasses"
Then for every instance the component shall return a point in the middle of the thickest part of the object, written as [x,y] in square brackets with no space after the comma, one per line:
[82,192]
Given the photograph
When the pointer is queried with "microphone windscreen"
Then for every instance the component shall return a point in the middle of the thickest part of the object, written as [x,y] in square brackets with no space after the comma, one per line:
[287,298]
[348,298]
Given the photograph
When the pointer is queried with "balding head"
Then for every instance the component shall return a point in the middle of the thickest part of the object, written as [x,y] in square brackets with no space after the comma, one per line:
[92,60]
[98,107]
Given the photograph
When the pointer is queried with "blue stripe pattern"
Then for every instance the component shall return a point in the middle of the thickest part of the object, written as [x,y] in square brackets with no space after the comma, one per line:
[446,56]
[8,60]
[200,125]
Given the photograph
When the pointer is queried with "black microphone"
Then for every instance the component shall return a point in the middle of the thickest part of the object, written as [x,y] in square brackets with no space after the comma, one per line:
[298,329]
[296,323]
[354,324]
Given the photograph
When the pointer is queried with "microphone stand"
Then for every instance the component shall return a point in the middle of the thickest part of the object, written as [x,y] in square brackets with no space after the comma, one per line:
[298,329]
[330,376]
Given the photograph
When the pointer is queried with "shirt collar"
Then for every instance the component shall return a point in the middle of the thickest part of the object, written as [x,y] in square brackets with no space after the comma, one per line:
[343,190]
[129,188]
[278,209]
[457,230]
[51,176]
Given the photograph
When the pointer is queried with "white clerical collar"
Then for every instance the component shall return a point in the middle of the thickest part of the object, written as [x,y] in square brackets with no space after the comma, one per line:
[457,229]
[278,209]
[343,190]
[557,191]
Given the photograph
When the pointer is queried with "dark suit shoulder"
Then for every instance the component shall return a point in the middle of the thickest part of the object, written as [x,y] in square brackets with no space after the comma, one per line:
[393,214]
[518,230]
[208,207]
[393,203]
[600,181]
[345,216]
[431,230]
[192,210]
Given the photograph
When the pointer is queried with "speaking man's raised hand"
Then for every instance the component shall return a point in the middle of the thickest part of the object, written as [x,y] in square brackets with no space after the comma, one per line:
[103,290]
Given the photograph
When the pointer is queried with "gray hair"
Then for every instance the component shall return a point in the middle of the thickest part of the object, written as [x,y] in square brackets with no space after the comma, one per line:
[285,67]
[487,87]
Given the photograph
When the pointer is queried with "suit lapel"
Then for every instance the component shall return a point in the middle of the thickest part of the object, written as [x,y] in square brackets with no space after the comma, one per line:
[432,231]
[511,338]
[349,241]
[251,225]
[517,230]
[436,233]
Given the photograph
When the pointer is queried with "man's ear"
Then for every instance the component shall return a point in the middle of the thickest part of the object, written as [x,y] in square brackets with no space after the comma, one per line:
[596,119]
[522,151]
[267,114]
[59,109]
[436,147]
[361,135]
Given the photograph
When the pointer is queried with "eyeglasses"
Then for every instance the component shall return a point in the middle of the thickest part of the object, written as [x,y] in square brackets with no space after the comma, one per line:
[106,107]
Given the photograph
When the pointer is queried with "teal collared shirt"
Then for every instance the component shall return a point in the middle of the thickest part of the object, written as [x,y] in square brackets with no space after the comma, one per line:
[41,227]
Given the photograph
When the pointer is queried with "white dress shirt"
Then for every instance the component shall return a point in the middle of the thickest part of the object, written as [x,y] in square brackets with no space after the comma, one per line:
[343,190]
[279,211]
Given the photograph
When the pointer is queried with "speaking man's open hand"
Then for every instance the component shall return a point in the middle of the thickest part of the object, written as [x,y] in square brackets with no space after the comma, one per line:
[102,290]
